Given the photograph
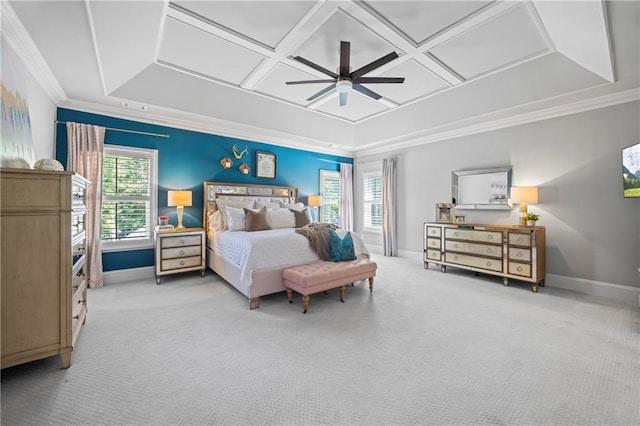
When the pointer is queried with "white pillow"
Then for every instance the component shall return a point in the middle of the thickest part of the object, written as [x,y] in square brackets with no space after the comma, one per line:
[281,218]
[296,206]
[267,204]
[232,203]
[235,219]
[215,221]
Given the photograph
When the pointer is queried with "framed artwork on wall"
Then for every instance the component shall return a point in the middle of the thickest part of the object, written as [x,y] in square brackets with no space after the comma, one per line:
[459,218]
[444,212]
[265,165]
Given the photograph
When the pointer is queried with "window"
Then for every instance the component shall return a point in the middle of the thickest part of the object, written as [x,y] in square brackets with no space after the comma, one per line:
[331,191]
[128,197]
[373,200]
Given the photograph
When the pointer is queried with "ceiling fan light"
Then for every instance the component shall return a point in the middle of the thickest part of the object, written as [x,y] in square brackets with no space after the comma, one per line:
[344,86]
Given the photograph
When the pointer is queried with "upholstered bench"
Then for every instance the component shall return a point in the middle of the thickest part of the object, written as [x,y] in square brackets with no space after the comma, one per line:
[321,276]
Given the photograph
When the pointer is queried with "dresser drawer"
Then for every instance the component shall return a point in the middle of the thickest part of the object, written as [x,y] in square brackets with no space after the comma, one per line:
[433,254]
[522,269]
[181,241]
[519,239]
[181,263]
[79,299]
[521,254]
[474,248]
[433,243]
[434,231]
[473,235]
[476,262]
[188,251]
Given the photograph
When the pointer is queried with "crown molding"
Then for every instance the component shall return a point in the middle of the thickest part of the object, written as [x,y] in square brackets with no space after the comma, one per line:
[443,133]
[19,40]
[204,124]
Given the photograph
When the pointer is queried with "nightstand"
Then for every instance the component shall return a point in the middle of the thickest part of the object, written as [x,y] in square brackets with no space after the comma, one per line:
[178,251]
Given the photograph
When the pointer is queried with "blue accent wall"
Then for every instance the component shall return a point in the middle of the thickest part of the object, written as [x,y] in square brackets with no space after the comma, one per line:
[187,159]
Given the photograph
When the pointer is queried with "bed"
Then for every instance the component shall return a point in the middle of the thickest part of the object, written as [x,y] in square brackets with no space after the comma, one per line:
[253,262]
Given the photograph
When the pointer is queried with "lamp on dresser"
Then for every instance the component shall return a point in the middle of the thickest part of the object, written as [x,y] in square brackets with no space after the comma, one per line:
[524,195]
[179,199]
[314,201]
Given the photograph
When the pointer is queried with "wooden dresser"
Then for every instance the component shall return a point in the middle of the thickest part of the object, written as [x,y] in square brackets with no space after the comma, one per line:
[179,251]
[516,252]
[43,285]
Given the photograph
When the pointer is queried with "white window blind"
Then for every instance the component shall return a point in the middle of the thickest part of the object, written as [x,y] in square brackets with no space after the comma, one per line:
[331,192]
[373,200]
[128,197]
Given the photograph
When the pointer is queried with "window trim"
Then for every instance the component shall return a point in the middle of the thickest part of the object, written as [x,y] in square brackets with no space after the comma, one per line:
[365,176]
[334,174]
[152,155]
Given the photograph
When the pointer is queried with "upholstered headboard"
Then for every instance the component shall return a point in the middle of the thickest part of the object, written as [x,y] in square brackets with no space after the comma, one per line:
[241,191]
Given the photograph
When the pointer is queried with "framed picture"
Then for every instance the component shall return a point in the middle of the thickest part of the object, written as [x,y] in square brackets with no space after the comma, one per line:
[444,212]
[459,218]
[265,165]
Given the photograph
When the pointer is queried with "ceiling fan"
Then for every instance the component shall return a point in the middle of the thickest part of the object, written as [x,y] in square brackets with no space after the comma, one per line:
[345,80]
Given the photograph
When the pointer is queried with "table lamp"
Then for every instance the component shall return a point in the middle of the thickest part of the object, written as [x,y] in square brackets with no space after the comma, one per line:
[524,195]
[179,199]
[314,201]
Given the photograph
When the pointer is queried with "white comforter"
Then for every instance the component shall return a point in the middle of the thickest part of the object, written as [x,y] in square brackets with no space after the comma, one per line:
[268,249]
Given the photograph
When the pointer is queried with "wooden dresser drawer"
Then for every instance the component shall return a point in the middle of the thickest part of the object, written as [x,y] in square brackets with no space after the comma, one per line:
[473,235]
[521,254]
[474,248]
[519,239]
[433,243]
[476,262]
[433,254]
[182,262]
[523,269]
[188,251]
[181,241]
[434,231]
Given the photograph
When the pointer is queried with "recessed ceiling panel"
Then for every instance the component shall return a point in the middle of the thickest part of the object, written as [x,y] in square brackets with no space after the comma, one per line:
[192,49]
[421,20]
[503,40]
[418,82]
[357,107]
[264,22]
[323,48]
[274,85]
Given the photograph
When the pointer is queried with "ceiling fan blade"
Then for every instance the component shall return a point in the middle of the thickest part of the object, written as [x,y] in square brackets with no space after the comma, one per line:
[343,98]
[366,91]
[373,65]
[379,80]
[309,81]
[322,92]
[345,52]
[316,67]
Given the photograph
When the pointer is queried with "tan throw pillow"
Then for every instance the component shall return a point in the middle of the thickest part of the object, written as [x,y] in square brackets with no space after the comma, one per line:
[302,217]
[256,221]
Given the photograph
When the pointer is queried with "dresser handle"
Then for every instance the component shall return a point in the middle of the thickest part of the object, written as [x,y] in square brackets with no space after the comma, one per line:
[76,317]
[181,251]
[455,246]
[455,258]
[489,251]
[489,237]
[520,239]
[488,263]
[519,254]
[182,263]
[181,241]
[80,302]
[455,233]
[519,269]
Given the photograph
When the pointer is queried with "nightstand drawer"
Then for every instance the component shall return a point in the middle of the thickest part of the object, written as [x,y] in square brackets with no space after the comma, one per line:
[181,241]
[520,254]
[181,263]
[523,269]
[172,253]
[519,239]
[434,231]
[433,243]
[433,254]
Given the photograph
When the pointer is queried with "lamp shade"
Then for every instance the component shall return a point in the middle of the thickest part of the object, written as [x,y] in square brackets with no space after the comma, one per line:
[524,194]
[178,198]
[314,200]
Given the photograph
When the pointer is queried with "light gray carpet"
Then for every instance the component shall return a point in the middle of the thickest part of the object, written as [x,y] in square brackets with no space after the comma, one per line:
[424,348]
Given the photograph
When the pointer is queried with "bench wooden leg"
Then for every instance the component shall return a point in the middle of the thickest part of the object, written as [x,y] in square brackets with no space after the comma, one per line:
[290,295]
[371,284]
[342,294]
[305,303]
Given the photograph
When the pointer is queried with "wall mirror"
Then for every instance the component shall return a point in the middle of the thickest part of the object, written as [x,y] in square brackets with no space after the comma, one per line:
[487,189]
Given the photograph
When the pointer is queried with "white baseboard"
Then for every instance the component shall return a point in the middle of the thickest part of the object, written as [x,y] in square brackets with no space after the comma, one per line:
[131,274]
[617,292]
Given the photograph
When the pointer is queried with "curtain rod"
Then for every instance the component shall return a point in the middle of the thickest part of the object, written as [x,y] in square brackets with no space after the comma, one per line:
[160,135]
[332,161]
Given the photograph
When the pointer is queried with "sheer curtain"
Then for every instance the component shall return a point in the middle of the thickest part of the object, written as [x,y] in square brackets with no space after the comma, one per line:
[389,235]
[346,182]
[85,144]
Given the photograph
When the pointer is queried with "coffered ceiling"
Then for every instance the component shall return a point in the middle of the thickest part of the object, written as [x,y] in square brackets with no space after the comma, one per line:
[223,64]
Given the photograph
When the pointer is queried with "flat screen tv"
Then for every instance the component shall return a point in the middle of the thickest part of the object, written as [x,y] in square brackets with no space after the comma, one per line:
[631,170]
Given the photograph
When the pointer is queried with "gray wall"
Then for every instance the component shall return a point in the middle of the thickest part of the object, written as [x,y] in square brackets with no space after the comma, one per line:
[593,232]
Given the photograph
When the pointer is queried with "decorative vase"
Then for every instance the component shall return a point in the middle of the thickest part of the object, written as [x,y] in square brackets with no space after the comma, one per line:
[532,223]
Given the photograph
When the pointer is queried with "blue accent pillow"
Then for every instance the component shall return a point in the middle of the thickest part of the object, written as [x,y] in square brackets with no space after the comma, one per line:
[341,248]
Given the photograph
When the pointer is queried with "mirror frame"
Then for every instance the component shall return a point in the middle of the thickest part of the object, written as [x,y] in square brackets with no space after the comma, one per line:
[504,178]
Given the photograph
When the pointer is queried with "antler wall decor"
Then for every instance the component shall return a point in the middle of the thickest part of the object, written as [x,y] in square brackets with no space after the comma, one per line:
[239,155]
